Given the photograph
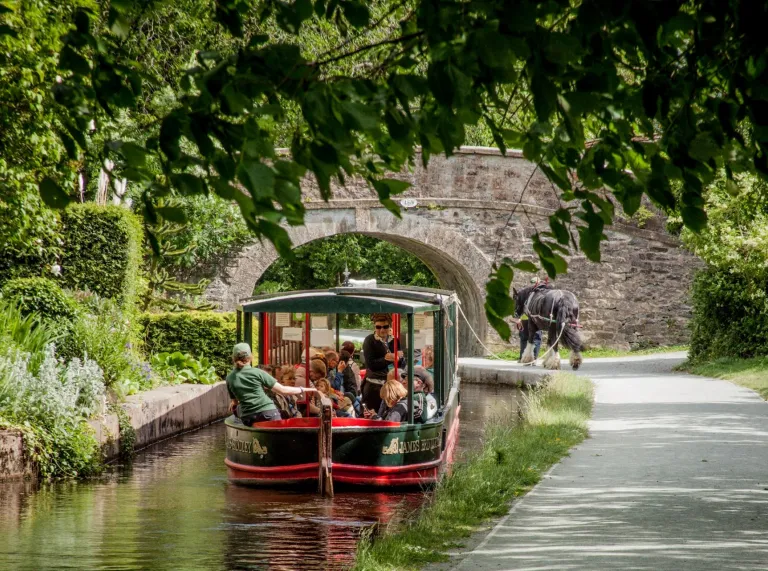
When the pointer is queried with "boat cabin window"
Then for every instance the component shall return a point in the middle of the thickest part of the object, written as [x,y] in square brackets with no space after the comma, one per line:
[348,358]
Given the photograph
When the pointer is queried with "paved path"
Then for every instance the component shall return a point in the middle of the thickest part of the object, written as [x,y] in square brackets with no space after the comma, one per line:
[674,476]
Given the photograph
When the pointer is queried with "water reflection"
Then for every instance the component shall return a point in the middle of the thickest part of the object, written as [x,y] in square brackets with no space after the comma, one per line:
[174,509]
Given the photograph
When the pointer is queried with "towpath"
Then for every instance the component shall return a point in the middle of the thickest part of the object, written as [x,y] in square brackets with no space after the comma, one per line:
[674,476]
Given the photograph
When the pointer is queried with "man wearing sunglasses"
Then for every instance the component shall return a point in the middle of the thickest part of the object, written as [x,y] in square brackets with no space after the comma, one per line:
[378,352]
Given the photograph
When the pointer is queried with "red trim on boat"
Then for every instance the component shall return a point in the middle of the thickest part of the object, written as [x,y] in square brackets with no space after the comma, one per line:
[314,422]
[387,481]
[270,469]
[384,469]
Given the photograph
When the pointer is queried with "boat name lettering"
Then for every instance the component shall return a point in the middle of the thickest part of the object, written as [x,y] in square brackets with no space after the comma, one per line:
[250,446]
[397,447]
[239,445]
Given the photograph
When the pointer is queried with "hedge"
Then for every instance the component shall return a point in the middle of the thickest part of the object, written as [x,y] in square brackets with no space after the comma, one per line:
[102,251]
[730,315]
[201,333]
[42,296]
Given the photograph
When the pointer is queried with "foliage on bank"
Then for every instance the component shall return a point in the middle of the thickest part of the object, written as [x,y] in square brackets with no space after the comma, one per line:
[730,315]
[750,373]
[513,458]
[102,251]
[48,400]
[730,295]
[42,296]
[202,334]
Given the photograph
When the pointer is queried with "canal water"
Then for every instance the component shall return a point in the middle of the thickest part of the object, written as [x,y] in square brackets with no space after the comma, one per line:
[173,508]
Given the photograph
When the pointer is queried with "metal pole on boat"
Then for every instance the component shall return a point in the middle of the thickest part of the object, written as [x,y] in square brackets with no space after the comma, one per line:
[396,335]
[338,333]
[325,449]
[306,355]
[410,368]
[265,335]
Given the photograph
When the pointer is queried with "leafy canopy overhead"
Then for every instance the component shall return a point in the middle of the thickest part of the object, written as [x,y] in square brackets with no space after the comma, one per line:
[631,97]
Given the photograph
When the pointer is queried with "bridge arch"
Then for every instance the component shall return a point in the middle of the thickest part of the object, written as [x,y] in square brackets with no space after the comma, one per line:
[456,262]
[479,205]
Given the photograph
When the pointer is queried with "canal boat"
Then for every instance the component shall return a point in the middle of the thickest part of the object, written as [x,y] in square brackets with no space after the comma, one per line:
[354,450]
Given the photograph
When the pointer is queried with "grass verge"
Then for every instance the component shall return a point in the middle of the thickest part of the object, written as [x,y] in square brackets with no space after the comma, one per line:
[597,352]
[751,373]
[513,458]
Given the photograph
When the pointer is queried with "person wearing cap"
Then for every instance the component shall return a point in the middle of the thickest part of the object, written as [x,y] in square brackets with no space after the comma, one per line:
[247,387]
[522,328]
[424,403]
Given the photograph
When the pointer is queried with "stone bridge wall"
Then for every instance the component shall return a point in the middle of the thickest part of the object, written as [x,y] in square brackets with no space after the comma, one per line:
[463,220]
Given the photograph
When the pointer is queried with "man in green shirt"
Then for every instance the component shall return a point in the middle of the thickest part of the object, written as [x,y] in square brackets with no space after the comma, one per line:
[248,388]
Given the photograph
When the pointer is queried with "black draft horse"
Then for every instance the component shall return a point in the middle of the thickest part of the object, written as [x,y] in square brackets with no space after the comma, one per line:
[553,310]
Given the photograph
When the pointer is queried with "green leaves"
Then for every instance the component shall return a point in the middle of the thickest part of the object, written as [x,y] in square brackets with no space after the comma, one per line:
[357,13]
[606,101]
[258,178]
[69,59]
[187,184]
[52,194]
[172,214]
[498,303]
[387,187]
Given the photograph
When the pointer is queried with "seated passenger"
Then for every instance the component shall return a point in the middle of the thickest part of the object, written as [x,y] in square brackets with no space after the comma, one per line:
[349,347]
[323,390]
[394,403]
[347,408]
[332,359]
[317,378]
[287,405]
[424,403]
[288,376]
[428,359]
[345,376]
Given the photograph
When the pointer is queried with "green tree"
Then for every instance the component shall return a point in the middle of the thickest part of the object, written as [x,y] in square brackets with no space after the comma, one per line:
[30,145]
[669,92]
[321,264]
[730,295]
[735,239]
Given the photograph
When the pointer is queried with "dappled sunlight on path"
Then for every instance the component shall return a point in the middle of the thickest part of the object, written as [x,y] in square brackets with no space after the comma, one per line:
[674,476]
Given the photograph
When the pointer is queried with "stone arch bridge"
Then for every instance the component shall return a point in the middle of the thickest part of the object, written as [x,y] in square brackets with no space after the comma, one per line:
[463,220]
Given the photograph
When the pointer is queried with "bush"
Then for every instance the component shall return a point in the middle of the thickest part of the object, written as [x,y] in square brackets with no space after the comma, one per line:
[179,367]
[41,296]
[104,332]
[102,251]
[51,406]
[199,333]
[730,315]
[26,333]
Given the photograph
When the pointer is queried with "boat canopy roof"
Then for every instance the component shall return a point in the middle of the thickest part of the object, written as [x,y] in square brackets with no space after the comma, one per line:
[380,299]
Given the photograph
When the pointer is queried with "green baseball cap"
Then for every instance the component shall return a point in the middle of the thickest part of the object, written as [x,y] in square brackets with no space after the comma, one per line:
[241,351]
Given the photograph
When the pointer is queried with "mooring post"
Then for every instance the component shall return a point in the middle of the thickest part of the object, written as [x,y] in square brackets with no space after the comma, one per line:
[325,448]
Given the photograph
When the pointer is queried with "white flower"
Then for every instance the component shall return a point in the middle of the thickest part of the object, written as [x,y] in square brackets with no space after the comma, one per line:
[56,269]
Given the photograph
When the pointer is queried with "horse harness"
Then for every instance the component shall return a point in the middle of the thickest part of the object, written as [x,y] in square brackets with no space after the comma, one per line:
[527,311]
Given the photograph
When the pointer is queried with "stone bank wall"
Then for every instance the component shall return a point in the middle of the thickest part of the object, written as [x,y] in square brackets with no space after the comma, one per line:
[153,415]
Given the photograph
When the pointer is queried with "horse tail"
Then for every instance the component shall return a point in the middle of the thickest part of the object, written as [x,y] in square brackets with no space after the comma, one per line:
[567,319]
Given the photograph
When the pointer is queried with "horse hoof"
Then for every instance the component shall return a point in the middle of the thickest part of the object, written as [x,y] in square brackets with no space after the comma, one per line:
[576,362]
